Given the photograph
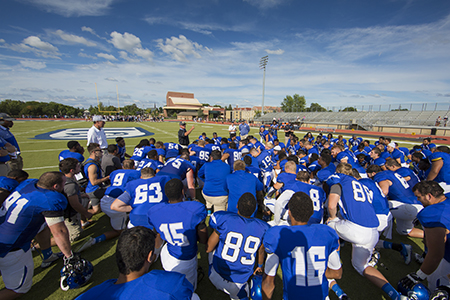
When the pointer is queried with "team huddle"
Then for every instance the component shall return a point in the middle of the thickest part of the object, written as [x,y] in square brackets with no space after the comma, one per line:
[268,203]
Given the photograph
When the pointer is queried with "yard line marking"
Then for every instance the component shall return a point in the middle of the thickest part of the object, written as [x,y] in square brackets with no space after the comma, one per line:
[37,168]
[46,128]
[163,131]
[27,151]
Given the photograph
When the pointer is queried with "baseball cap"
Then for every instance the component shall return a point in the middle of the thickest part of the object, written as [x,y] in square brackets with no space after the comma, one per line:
[245,150]
[98,119]
[277,148]
[391,144]
[6,117]
[182,123]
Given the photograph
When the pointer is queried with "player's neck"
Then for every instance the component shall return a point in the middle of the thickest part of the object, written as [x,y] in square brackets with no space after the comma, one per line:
[295,223]
[130,277]
[175,201]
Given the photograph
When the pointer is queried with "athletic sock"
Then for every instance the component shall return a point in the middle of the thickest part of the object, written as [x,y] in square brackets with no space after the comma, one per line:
[337,290]
[387,245]
[100,238]
[389,289]
[47,252]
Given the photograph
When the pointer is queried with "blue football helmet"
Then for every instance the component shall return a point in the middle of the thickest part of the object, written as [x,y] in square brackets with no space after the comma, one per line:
[75,273]
[256,287]
[417,292]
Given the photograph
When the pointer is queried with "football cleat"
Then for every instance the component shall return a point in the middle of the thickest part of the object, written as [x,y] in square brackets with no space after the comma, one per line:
[406,253]
[374,259]
[255,287]
[441,293]
[89,243]
[51,259]
[75,273]
[419,258]
[417,292]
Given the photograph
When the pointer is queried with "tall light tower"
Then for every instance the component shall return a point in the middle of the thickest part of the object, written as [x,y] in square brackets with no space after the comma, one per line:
[262,65]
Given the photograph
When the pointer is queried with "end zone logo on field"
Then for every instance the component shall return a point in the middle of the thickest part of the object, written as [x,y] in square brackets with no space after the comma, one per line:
[81,133]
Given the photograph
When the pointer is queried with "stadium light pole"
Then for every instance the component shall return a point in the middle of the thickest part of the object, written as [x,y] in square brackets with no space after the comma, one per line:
[262,65]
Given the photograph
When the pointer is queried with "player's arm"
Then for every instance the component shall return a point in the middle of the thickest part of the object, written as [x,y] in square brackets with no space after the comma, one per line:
[10,148]
[384,185]
[261,257]
[435,242]
[92,171]
[334,268]
[191,183]
[202,233]
[344,160]
[270,271]
[225,156]
[119,205]
[60,233]
[333,200]
[189,131]
[74,201]
[436,167]
[212,242]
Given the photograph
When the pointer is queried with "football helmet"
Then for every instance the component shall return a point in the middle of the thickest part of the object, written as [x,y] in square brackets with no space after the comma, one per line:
[441,293]
[255,287]
[416,292]
[75,273]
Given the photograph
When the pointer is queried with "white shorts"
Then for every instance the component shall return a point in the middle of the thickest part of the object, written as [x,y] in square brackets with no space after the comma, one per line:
[404,214]
[186,267]
[233,289]
[118,219]
[385,227]
[17,269]
[363,241]
[270,203]
[439,276]
[267,177]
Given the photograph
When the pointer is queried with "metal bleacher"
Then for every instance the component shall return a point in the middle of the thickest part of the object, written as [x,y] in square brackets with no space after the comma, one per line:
[365,119]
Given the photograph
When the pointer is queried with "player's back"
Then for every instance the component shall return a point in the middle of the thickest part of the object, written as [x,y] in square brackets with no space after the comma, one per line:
[303,252]
[69,154]
[172,150]
[176,168]
[400,190]
[444,173]
[240,239]
[318,197]
[265,161]
[379,200]
[149,163]
[119,179]
[176,223]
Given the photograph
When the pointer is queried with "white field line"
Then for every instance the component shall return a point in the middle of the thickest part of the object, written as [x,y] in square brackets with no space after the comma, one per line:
[160,130]
[46,128]
[38,168]
[42,150]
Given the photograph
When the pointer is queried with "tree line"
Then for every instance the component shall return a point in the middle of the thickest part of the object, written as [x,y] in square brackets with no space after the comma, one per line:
[297,103]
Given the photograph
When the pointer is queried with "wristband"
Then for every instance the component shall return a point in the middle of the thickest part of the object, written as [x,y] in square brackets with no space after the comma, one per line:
[260,265]
[421,274]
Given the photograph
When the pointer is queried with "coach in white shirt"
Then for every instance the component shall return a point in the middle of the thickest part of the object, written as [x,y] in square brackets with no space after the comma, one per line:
[232,130]
[96,134]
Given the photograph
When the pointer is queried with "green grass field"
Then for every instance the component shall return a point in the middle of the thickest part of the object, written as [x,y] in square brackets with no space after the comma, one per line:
[42,155]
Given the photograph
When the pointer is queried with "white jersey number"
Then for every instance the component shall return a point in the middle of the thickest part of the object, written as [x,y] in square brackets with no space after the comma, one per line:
[310,266]
[142,193]
[233,243]
[172,236]
[13,199]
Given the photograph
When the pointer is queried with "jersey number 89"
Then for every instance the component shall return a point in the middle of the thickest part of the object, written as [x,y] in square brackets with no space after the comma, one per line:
[232,247]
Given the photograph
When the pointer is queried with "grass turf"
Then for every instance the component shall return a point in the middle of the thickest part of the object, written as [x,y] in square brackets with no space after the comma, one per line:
[42,155]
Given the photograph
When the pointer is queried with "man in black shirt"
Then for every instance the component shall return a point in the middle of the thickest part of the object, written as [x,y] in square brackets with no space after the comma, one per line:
[183,135]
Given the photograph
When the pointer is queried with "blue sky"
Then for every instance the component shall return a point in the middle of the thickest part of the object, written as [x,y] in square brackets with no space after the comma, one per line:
[334,52]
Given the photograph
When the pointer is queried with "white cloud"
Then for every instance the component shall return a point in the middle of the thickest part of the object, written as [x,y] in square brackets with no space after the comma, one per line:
[36,42]
[74,7]
[131,43]
[106,56]
[111,79]
[2,40]
[74,39]
[37,65]
[179,48]
[124,55]
[275,52]
[265,4]
[82,54]
[88,29]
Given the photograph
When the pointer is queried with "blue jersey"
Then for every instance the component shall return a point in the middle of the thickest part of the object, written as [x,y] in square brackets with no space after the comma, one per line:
[355,142]
[354,202]
[317,196]
[141,194]
[177,225]
[437,215]
[214,176]
[213,147]
[397,154]
[263,135]
[90,187]
[405,172]
[23,213]
[322,175]
[234,155]
[239,183]
[444,172]
[314,166]
[400,190]
[8,184]
[176,168]
[288,179]
[156,284]
[202,153]
[239,241]
[69,154]
[141,153]
[172,150]
[121,153]
[378,161]
[254,171]
[351,159]
[379,200]
[119,180]
[264,161]
[149,163]
[303,252]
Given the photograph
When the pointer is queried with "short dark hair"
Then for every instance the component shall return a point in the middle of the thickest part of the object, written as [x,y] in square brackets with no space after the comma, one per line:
[133,248]
[152,154]
[293,158]
[326,158]
[429,187]
[68,164]
[301,207]
[118,139]
[49,179]
[248,160]
[147,172]
[17,174]
[174,189]
[392,163]
[92,147]
[112,147]
[374,169]
[216,154]
[128,164]
[72,144]
[444,149]
[302,176]
[246,205]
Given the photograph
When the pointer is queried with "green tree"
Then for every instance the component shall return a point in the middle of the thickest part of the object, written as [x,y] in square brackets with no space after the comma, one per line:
[349,108]
[229,107]
[316,107]
[200,113]
[293,103]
